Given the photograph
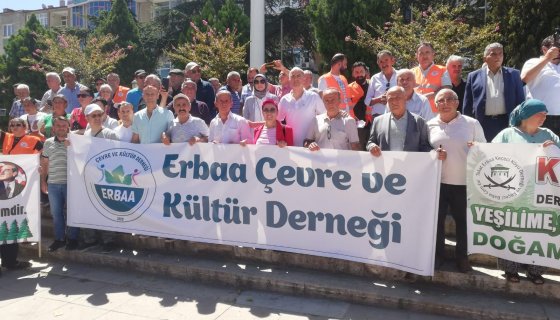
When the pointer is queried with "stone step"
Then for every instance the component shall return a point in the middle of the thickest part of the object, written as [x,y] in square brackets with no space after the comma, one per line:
[437,296]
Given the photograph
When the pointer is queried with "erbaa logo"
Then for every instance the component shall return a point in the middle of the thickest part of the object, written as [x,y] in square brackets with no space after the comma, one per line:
[500,178]
[120,184]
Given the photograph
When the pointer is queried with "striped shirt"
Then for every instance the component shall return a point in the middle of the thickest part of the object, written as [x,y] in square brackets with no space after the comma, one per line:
[55,151]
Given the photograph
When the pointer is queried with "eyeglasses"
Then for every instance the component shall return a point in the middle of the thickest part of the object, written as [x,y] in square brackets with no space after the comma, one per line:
[96,115]
[446,100]
[388,86]
[16,125]
[329,132]
[259,81]
[83,95]
[267,110]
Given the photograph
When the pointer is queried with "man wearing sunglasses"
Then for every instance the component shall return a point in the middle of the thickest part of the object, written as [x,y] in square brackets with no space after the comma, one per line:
[333,129]
[205,91]
[16,142]
[135,95]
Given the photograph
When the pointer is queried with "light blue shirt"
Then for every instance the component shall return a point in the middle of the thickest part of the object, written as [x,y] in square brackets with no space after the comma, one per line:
[71,96]
[150,128]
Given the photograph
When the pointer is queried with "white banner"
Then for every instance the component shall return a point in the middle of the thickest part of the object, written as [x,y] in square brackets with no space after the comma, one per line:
[342,204]
[513,200]
[19,199]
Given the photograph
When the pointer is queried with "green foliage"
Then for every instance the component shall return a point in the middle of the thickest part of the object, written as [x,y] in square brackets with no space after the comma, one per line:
[231,16]
[332,20]
[446,28]
[19,47]
[217,52]
[95,58]
[120,22]
[24,232]
[172,24]
[523,24]
[297,33]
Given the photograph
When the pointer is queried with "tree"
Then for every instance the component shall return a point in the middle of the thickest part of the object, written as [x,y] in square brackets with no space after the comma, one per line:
[120,22]
[332,20]
[218,52]
[24,231]
[446,28]
[93,59]
[523,24]
[13,233]
[297,33]
[20,46]
[3,232]
[231,16]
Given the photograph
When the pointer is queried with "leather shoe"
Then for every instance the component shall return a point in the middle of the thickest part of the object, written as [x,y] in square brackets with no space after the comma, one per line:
[20,265]
[57,244]
[464,265]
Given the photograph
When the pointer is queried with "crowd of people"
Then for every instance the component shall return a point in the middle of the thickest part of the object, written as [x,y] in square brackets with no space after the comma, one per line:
[428,107]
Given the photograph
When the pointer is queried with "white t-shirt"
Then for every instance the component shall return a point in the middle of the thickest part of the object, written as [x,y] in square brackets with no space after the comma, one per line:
[300,114]
[124,133]
[546,86]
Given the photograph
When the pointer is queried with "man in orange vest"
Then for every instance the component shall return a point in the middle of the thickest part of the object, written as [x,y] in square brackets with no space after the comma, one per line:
[430,77]
[336,79]
[358,88]
[119,92]
[17,142]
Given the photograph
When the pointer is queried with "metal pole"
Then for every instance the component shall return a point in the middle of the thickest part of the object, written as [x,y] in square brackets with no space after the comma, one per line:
[282,40]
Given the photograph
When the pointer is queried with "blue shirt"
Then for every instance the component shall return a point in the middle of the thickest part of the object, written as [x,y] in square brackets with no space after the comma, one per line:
[71,96]
[133,97]
[17,109]
[236,107]
[150,128]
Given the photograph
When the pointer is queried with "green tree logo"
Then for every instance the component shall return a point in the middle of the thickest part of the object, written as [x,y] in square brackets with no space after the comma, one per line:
[13,233]
[24,231]
[3,232]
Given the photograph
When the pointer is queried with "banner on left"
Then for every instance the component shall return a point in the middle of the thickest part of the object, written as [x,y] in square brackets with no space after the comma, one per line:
[19,199]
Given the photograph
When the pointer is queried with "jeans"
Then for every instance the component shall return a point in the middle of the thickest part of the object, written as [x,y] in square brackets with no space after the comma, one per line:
[57,199]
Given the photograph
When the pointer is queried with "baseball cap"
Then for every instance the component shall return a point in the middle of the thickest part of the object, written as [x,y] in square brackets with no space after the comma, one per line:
[69,70]
[176,71]
[140,72]
[191,65]
[91,108]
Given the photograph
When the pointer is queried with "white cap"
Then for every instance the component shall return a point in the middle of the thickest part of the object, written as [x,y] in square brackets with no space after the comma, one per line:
[191,65]
[91,108]
[70,70]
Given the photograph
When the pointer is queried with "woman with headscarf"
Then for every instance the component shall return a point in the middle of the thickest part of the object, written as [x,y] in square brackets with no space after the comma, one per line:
[272,131]
[252,109]
[525,127]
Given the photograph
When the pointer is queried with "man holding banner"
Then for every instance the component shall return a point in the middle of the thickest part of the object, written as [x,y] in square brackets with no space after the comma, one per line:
[17,142]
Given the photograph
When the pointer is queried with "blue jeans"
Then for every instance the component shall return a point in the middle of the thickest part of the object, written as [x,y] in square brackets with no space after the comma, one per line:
[57,199]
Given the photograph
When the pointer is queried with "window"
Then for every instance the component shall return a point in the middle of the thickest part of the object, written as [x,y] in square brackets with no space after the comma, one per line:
[97,6]
[8,30]
[64,21]
[132,6]
[43,19]
[78,16]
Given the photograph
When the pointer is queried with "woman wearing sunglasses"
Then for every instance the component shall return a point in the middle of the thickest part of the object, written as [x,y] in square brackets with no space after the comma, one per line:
[252,109]
[272,131]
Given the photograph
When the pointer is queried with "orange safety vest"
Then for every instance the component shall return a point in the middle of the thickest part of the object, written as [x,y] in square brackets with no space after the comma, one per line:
[120,95]
[25,145]
[356,93]
[332,83]
[430,83]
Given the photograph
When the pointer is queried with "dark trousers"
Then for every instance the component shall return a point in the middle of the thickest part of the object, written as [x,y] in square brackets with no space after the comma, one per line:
[452,198]
[363,134]
[552,123]
[8,254]
[492,125]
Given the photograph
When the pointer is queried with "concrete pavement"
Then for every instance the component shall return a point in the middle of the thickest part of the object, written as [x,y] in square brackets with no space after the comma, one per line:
[54,290]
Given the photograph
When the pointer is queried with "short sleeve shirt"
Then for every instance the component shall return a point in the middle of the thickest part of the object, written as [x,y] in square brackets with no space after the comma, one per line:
[150,128]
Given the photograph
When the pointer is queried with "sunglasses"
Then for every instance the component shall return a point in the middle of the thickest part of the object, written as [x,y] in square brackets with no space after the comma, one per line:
[16,125]
[83,95]
[259,81]
[388,86]
[269,110]
[96,115]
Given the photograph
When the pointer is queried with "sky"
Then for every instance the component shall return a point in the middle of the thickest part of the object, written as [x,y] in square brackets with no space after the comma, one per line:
[27,4]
